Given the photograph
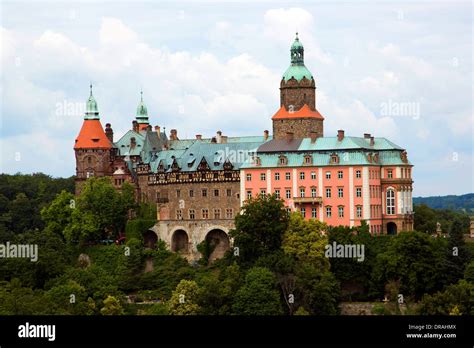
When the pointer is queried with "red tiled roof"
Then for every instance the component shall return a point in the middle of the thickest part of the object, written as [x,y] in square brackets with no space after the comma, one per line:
[92,135]
[304,112]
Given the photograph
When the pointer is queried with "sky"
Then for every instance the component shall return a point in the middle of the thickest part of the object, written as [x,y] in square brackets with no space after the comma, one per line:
[400,70]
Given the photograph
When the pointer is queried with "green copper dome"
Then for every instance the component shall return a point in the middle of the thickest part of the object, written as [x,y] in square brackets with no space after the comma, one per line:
[297,69]
[142,112]
[92,111]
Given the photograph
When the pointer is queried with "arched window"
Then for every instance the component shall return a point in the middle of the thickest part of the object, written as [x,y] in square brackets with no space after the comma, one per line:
[390,202]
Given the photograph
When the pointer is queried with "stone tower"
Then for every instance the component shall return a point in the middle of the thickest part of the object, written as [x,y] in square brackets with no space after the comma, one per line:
[93,148]
[142,114]
[297,113]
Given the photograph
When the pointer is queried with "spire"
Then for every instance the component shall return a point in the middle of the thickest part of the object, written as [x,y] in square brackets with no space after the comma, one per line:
[92,111]
[142,111]
[297,52]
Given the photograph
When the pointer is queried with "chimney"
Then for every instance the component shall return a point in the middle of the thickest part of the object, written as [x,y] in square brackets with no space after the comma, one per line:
[109,132]
[265,135]
[158,131]
[133,143]
[149,128]
[289,136]
[135,126]
[224,139]
[174,134]
[366,135]
[340,135]
[213,140]
[313,135]
[372,141]
[219,137]
[198,137]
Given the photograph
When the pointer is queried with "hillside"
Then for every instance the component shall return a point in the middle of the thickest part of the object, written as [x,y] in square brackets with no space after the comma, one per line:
[462,202]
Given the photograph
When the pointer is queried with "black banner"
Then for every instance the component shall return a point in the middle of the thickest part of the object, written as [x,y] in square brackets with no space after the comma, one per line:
[223,331]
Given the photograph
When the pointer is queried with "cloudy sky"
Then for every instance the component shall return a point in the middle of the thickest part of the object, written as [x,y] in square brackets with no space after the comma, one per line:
[397,70]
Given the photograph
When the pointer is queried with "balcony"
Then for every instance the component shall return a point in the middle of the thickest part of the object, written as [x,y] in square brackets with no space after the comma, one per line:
[311,200]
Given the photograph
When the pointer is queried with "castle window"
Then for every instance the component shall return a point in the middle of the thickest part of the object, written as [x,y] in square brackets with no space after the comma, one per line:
[204,192]
[217,213]
[313,175]
[301,175]
[328,212]
[308,159]
[277,176]
[334,159]
[313,192]
[191,193]
[390,202]
[340,192]
[390,173]
[288,194]
[303,212]
[277,194]
[358,174]
[302,192]
[89,160]
[341,211]
[249,177]
[263,192]
[359,211]
[229,192]
[287,176]
[192,214]
[328,175]
[205,213]
[263,177]
[358,192]
[229,213]
[328,192]
[283,160]
[249,194]
[179,214]
[216,193]
[339,174]
[178,193]
[314,214]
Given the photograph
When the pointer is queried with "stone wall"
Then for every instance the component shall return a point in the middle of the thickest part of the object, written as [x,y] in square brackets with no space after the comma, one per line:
[301,127]
[294,94]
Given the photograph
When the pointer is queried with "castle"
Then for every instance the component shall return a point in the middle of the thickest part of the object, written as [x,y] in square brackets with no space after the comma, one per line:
[199,184]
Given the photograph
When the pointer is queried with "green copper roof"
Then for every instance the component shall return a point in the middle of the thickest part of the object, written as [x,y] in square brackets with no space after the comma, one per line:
[297,68]
[92,111]
[125,147]
[348,143]
[298,72]
[142,111]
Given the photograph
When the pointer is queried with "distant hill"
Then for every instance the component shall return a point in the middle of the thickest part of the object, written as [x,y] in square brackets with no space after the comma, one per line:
[453,202]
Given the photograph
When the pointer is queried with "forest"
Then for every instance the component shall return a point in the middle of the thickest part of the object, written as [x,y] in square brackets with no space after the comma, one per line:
[277,265]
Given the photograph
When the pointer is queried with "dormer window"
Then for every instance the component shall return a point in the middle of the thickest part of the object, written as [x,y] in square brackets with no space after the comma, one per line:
[258,162]
[334,159]
[283,160]
[308,159]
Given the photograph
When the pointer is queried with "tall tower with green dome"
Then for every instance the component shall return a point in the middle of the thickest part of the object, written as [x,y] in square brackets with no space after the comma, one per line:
[142,114]
[297,116]
[297,85]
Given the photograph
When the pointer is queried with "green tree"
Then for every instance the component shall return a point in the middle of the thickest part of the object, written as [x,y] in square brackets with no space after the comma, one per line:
[184,300]
[112,306]
[415,260]
[304,240]
[456,298]
[58,214]
[258,295]
[259,229]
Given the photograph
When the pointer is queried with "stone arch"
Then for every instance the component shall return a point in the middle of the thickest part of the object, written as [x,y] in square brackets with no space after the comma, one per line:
[180,241]
[391,228]
[149,239]
[220,242]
